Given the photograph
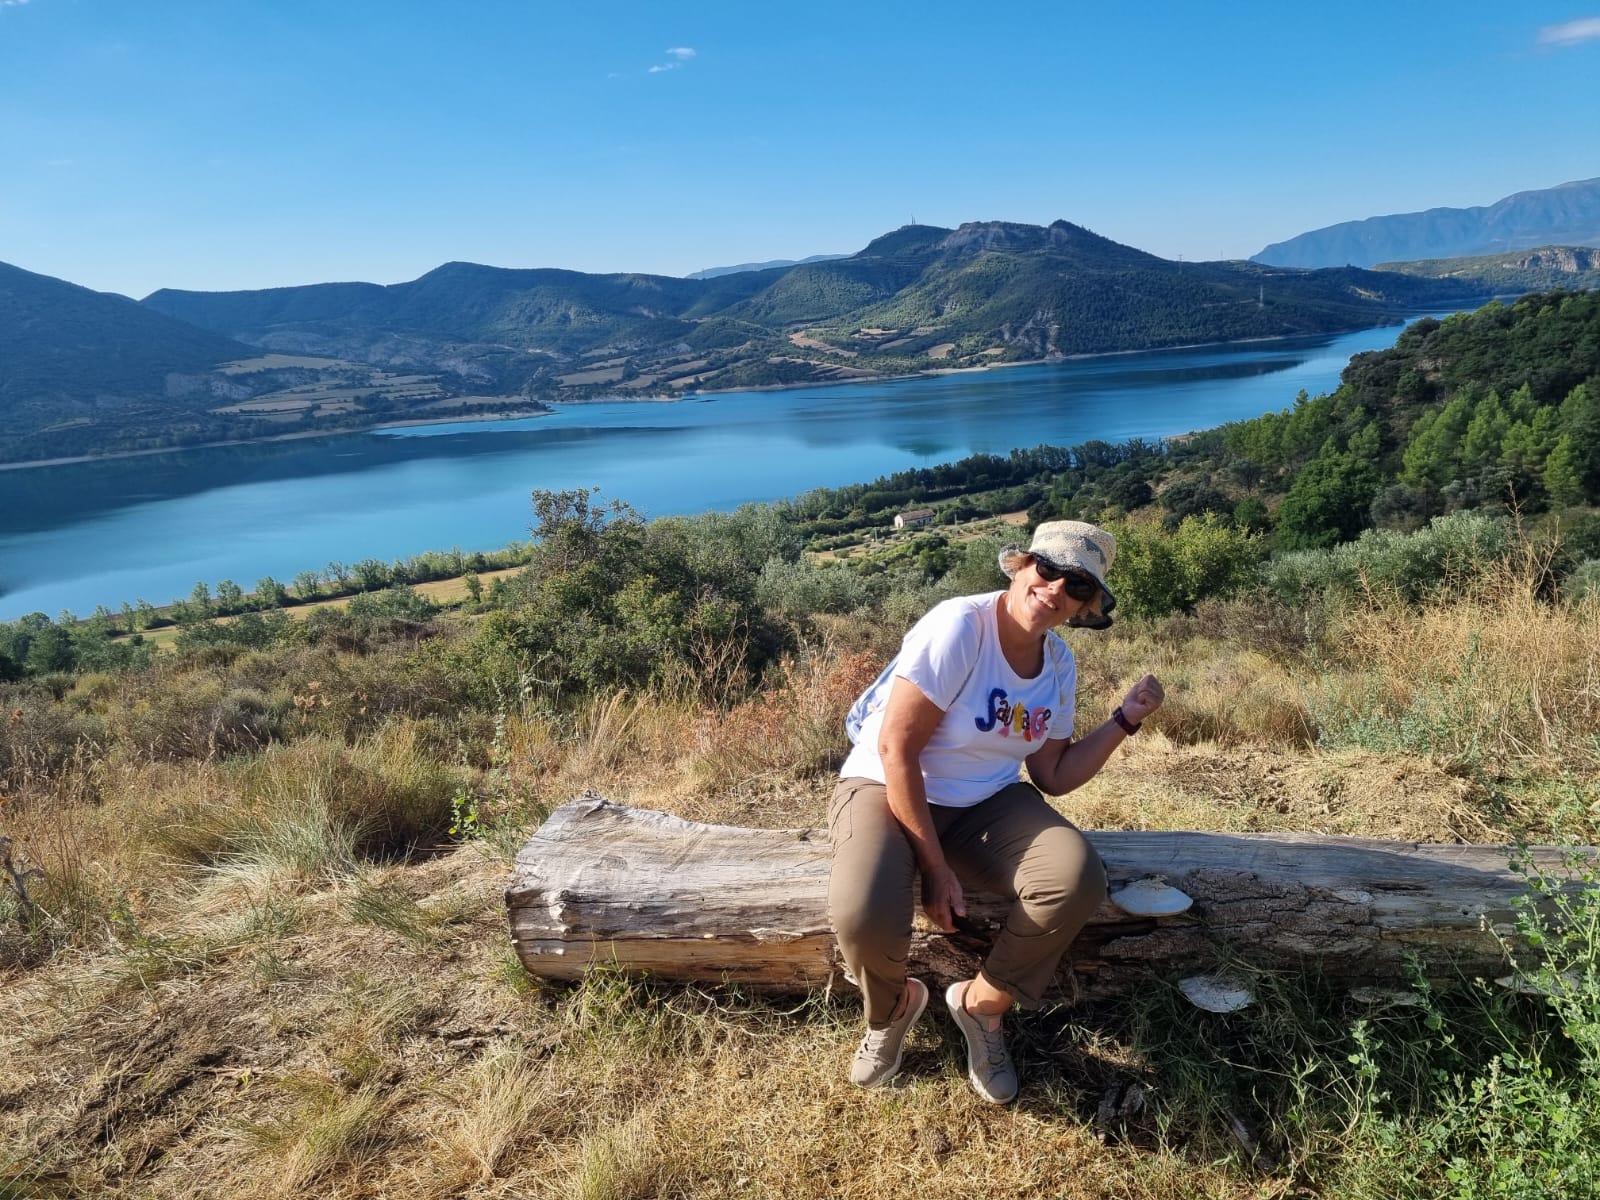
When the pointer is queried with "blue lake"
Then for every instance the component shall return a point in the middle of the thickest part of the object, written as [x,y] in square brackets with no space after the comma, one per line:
[149,527]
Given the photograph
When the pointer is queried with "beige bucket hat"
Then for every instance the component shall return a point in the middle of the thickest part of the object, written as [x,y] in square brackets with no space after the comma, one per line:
[1072,545]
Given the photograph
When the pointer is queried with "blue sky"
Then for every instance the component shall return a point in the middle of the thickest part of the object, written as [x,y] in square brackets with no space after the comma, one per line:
[222,144]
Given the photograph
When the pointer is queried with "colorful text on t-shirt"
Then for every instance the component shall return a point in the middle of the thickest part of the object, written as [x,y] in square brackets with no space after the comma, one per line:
[1004,717]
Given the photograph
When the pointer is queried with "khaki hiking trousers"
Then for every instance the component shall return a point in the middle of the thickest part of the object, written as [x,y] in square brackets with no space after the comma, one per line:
[1013,844]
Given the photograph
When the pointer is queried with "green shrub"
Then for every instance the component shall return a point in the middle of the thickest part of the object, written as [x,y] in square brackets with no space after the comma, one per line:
[247,629]
[1446,558]
[976,566]
[190,713]
[1584,581]
[798,590]
[1157,572]
[608,601]
[398,601]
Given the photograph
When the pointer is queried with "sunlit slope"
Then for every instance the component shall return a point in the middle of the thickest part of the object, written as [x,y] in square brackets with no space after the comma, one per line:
[916,297]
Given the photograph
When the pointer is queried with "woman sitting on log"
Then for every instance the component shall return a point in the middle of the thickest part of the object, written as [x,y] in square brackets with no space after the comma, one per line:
[981,685]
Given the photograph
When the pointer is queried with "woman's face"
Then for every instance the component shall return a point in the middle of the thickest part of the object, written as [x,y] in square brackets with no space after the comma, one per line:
[1038,604]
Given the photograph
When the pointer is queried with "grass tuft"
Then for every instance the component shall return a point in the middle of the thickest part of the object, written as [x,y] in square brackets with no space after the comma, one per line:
[327,1132]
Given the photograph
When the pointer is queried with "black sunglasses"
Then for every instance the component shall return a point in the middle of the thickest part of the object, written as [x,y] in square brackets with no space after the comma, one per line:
[1079,585]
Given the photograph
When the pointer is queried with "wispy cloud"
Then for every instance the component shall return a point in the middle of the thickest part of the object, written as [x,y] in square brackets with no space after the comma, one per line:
[676,57]
[12,3]
[1570,33]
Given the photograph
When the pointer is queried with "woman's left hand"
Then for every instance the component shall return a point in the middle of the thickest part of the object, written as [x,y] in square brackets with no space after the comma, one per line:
[1143,698]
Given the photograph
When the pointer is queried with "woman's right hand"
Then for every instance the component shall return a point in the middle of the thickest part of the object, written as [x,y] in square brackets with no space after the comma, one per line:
[942,900]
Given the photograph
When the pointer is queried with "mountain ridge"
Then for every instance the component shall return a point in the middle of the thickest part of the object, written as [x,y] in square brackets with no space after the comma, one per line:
[471,338]
[740,268]
[1567,214]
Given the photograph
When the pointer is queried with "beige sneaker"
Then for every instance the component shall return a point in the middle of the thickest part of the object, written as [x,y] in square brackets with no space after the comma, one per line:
[877,1058]
[989,1067]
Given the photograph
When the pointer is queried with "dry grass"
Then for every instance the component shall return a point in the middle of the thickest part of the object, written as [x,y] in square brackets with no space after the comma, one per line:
[1504,680]
[261,997]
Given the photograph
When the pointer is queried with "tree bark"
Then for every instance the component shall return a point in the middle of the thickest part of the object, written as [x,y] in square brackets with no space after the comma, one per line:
[603,884]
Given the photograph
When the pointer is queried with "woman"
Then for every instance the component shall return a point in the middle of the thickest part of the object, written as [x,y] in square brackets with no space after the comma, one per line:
[981,685]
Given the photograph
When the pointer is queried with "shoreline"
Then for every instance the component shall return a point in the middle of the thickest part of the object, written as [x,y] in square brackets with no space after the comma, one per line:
[513,414]
[1048,360]
[298,435]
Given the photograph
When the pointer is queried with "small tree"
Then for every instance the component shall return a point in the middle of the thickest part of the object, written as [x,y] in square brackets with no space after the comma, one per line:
[200,599]
[1563,477]
[270,593]
[50,650]
[230,597]
[370,575]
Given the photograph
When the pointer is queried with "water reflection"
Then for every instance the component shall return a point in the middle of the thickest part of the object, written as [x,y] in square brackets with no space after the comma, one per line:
[115,530]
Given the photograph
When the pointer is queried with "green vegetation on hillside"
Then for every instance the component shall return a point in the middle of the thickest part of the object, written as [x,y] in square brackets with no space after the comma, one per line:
[1576,268]
[251,918]
[82,372]
[916,299]
[466,339]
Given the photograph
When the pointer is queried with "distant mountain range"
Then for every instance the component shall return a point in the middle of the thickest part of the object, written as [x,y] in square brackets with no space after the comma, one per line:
[920,296]
[78,376]
[713,272]
[1568,215]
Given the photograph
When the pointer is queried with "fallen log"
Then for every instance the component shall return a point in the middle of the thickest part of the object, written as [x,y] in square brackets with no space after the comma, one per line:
[647,892]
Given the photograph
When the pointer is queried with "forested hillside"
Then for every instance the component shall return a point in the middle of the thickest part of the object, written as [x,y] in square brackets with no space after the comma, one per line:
[466,339]
[1496,409]
[1500,407]
[70,357]
[1575,268]
[916,298]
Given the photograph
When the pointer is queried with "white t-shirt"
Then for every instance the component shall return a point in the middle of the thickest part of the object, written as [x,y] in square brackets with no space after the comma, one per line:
[993,717]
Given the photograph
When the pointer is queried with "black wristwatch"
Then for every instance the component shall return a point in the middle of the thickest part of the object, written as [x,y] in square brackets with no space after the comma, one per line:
[1127,726]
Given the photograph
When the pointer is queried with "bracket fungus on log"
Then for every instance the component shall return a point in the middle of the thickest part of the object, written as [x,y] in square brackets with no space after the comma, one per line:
[1216,993]
[1151,898]
[603,884]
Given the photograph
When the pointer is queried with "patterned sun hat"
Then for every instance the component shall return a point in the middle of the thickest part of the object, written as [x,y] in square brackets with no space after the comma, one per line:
[1072,545]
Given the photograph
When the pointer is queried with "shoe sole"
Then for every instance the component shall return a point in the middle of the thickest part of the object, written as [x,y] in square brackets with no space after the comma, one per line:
[921,1006]
[952,1001]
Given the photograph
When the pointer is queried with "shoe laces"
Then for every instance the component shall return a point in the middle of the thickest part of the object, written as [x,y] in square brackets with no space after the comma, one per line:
[872,1042]
[994,1040]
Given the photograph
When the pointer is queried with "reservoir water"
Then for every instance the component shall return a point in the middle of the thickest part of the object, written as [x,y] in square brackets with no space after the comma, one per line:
[150,527]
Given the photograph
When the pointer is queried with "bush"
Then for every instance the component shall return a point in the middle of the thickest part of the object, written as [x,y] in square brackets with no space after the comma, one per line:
[796,591]
[976,568]
[1451,554]
[1584,582]
[39,738]
[250,629]
[188,713]
[609,602]
[1157,572]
